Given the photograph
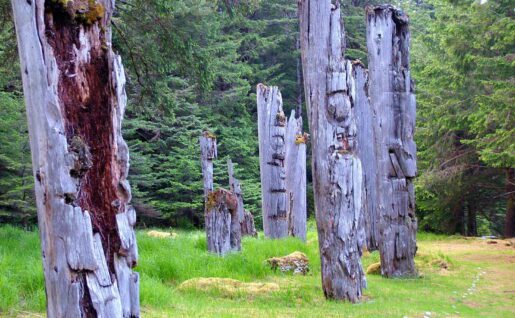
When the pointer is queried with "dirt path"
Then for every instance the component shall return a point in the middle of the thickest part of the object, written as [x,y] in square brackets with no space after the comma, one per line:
[494,262]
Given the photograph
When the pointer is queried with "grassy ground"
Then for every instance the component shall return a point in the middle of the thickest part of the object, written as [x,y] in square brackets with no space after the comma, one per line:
[478,280]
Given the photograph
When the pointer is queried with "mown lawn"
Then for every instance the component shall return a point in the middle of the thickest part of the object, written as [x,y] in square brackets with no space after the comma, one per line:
[479,280]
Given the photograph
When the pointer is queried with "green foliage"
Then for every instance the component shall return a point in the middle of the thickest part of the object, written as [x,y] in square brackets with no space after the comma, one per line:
[16,196]
[462,62]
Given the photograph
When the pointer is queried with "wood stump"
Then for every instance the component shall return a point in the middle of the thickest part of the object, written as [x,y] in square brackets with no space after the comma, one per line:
[393,100]
[337,173]
[222,225]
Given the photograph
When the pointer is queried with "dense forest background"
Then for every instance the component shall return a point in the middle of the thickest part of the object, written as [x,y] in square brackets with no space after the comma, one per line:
[194,65]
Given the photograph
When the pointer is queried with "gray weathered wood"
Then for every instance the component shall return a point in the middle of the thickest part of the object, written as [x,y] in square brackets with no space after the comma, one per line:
[392,98]
[74,88]
[222,214]
[247,225]
[367,134]
[337,174]
[208,153]
[271,131]
[245,218]
[221,210]
[295,166]
[235,187]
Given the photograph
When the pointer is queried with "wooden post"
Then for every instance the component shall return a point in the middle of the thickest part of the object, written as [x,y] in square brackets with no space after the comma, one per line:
[221,211]
[247,225]
[295,164]
[392,98]
[367,135]
[245,218]
[208,153]
[240,210]
[223,230]
[271,130]
[74,87]
[337,173]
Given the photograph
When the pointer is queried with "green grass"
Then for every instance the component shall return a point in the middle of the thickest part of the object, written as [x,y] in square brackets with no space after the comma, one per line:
[165,263]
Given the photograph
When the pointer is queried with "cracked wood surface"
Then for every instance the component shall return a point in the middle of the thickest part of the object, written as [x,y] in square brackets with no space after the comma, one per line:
[271,131]
[393,100]
[74,89]
[337,174]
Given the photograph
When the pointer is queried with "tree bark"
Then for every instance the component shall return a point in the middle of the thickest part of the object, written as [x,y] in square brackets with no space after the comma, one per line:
[509,229]
[367,135]
[337,172]
[271,131]
[74,87]
[392,98]
[295,164]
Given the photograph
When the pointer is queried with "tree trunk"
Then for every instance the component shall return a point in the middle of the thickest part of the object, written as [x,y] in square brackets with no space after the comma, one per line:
[271,131]
[393,100]
[295,164]
[471,220]
[367,134]
[337,173]
[509,229]
[74,88]
[208,152]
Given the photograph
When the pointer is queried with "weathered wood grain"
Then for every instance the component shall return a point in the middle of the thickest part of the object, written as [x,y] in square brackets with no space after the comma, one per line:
[74,89]
[337,173]
[245,219]
[208,153]
[392,98]
[221,210]
[271,132]
[367,133]
[295,166]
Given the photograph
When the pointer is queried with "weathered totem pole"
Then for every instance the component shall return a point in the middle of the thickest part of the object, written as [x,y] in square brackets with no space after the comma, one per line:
[392,98]
[367,134]
[271,131]
[337,174]
[295,164]
[245,218]
[222,223]
[74,87]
